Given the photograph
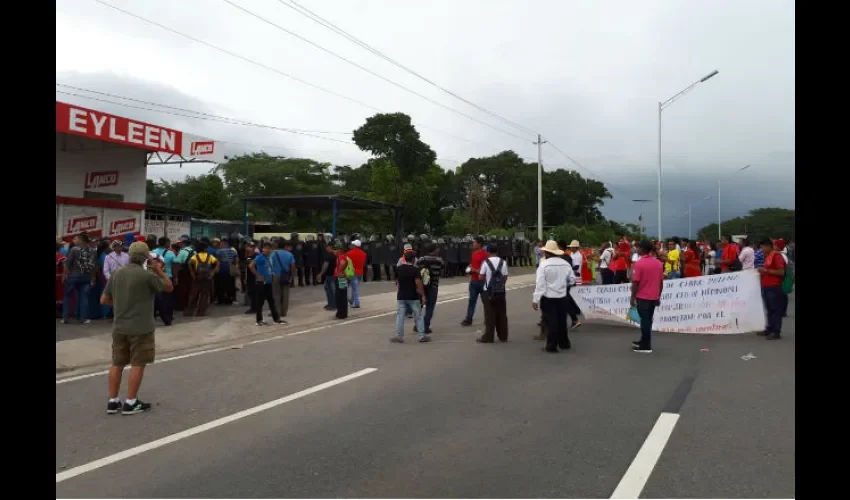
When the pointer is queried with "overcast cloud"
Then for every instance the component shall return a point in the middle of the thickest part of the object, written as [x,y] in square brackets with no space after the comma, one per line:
[587,74]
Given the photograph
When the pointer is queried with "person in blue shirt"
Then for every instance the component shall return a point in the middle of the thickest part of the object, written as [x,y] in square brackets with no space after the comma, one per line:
[261,268]
[164,301]
[225,283]
[283,269]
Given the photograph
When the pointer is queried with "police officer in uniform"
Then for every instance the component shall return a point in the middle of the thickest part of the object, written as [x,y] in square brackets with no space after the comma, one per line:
[453,256]
[298,253]
[464,254]
[311,262]
[376,258]
[390,257]
[319,254]
[443,252]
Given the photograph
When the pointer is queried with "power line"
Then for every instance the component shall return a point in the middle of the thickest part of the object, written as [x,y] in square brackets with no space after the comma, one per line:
[265,66]
[233,54]
[367,70]
[336,29]
[199,113]
[197,116]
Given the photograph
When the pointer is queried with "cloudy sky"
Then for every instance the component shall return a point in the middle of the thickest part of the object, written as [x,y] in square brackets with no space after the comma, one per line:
[586,74]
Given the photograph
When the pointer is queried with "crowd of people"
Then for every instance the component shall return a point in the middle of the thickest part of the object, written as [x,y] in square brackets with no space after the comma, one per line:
[136,279]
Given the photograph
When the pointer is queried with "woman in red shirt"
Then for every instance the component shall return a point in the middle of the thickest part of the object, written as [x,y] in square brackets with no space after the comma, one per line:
[621,263]
[341,282]
[692,262]
[586,275]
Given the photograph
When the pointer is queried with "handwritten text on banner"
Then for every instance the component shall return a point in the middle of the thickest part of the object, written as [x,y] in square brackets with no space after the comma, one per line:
[721,303]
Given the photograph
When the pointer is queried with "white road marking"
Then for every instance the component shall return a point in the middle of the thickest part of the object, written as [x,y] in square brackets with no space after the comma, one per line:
[138,450]
[632,483]
[65,380]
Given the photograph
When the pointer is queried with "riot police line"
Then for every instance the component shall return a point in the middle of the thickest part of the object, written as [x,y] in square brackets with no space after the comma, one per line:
[384,251]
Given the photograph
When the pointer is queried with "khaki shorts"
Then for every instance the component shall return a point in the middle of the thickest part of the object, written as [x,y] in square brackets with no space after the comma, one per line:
[134,350]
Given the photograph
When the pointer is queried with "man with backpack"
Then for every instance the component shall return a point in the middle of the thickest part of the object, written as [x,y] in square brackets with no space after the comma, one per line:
[79,276]
[430,269]
[261,268]
[494,274]
[343,274]
[202,267]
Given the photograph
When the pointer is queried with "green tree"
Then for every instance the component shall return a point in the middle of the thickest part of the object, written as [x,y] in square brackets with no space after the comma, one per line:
[758,224]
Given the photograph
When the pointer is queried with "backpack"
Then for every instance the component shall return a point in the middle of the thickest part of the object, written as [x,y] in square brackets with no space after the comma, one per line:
[203,272]
[349,269]
[497,279]
[86,260]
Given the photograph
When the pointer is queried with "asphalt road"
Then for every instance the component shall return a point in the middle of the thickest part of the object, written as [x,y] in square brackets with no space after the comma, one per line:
[447,419]
[308,294]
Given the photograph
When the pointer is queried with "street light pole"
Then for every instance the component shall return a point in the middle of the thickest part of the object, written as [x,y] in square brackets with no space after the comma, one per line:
[719,232]
[661,106]
[642,228]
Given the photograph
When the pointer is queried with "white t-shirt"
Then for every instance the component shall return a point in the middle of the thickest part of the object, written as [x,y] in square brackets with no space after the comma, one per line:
[486,273]
[747,258]
[605,259]
[577,260]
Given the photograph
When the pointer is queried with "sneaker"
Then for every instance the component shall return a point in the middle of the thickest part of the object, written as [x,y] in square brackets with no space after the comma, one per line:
[635,343]
[642,350]
[64,321]
[112,407]
[262,323]
[397,340]
[465,322]
[429,331]
[137,407]
[281,322]
[576,325]
[423,339]
[774,336]
[87,322]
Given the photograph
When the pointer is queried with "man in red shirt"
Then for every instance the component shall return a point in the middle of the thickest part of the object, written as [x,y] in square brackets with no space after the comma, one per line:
[729,257]
[358,262]
[476,283]
[772,274]
[647,285]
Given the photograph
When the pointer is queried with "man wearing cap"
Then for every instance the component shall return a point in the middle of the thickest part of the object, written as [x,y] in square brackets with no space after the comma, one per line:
[553,278]
[358,261]
[115,259]
[131,291]
[476,285]
[647,285]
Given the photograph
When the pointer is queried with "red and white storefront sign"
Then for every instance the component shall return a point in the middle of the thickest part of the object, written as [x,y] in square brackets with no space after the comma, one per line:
[77,120]
[99,222]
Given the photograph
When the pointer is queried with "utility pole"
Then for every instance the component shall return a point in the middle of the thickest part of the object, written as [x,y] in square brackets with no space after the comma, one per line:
[689,221]
[540,142]
[719,231]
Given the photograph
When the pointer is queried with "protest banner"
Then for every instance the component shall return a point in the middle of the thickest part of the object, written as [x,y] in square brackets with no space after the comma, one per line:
[721,303]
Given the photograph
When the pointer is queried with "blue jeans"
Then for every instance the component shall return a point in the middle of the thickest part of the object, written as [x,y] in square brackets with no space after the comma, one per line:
[646,311]
[674,275]
[476,288]
[416,307]
[430,304]
[78,285]
[330,291]
[774,302]
[355,290]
